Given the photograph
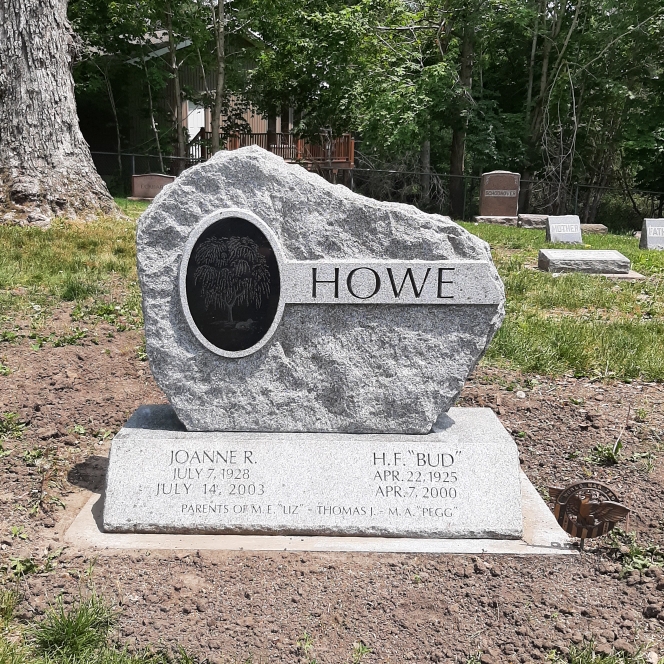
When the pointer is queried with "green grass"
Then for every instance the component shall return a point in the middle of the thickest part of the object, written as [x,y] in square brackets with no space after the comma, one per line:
[585,654]
[80,634]
[90,264]
[575,324]
[580,324]
[71,633]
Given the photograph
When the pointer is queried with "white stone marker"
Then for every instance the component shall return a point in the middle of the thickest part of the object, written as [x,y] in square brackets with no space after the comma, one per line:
[592,261]
[461,480]
[652,234]
[564,228]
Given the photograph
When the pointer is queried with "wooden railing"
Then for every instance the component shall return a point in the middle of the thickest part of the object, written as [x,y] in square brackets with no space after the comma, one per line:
[338,153]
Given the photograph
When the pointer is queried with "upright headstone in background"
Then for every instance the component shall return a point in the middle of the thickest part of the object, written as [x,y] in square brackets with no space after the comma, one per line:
[652,234]
[564,228]
[499,195]
[147,186]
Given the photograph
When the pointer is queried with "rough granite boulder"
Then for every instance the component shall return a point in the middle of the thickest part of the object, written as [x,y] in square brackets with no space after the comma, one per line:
[341,367]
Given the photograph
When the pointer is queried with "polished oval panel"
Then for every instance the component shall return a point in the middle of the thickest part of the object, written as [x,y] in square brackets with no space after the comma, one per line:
[230,283]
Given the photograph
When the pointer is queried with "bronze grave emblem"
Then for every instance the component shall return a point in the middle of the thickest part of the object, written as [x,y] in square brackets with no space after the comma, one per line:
[587,509]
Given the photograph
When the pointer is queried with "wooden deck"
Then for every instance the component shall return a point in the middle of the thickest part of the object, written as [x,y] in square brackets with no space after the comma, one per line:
[337,154]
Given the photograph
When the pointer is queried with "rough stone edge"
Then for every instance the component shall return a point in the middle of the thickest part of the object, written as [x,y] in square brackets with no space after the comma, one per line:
[314,179]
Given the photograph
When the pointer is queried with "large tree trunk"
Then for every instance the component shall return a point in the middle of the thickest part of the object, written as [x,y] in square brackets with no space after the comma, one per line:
[458,149]
[46,169]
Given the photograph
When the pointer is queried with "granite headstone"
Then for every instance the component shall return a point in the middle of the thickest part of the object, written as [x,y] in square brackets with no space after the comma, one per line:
[564,228]
[311,343]
[652,234]
[276,301]
[499,194]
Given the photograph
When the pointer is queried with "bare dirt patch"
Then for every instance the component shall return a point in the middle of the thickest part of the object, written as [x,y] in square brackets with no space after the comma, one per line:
[420,608]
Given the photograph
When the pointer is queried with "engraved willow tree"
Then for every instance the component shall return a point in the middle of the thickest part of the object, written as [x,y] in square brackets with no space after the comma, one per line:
[231,271]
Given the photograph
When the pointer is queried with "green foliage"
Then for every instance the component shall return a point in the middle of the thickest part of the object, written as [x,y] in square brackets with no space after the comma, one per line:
[31,457]
[73,632]
[624,548]
[18,567]
[305,646]
[9,598]
[606,455]
[18,532]
[141,352]
[360,651]
[585,654]
[11,426]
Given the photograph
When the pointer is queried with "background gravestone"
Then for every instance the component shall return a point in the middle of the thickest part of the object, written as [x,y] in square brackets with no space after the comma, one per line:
[564,228]
[652,234]
[329,367]
[147,186]
[591,261]
[499,194]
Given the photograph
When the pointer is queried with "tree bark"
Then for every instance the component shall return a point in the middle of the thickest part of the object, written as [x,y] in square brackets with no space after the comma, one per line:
[425,165]
[177,92]
[152,120]
[46,169]
[458,150]
[219,22]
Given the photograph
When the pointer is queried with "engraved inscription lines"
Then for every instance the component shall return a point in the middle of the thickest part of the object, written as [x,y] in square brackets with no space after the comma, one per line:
[232,485]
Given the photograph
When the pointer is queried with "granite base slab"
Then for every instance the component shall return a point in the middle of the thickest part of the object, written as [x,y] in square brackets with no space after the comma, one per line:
[459,481]
[533,221]
[598,229]
[541,536]
[591,261]
[503,221]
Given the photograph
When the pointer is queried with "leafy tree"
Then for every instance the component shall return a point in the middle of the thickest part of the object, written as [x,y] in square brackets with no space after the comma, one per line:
[45,164]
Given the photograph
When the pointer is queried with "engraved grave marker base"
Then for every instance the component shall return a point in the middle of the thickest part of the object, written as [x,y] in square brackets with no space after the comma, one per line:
[460,481]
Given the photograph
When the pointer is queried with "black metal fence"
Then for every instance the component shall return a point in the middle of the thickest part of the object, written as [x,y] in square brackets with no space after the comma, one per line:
[616,207]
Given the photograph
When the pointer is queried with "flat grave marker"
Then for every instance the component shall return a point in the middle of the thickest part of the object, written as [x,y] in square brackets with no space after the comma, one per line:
[591,261]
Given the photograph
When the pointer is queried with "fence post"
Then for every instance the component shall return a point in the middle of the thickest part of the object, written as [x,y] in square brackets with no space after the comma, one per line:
[133,164]
[576,197]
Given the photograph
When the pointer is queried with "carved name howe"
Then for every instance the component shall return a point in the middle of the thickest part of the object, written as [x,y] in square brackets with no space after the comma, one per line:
[235,282]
